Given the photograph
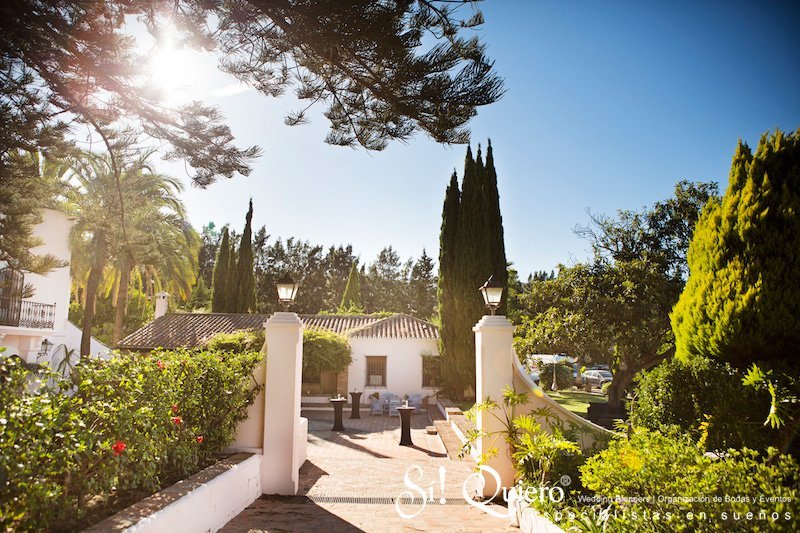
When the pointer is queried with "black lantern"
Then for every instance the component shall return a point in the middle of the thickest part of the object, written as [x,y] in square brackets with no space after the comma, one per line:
[45,348]
[492,292]
[287,290]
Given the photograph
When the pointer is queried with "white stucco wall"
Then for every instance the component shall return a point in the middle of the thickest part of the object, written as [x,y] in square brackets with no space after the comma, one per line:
[207,507]
[403,365]
[27,343]
[52,288]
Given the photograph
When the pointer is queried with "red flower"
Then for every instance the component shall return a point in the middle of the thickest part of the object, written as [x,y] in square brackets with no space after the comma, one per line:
[177,420]
[160,364]
[118,447]
[174,407]
[199,439]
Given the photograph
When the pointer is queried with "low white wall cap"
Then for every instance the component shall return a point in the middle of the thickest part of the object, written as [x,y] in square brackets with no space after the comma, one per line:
[493,322]
[283,319]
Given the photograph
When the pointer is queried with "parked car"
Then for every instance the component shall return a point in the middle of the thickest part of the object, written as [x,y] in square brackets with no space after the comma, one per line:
[597,378]
[535,377]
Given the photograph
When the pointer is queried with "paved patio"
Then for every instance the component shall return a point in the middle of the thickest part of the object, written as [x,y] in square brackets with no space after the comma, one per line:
[352,480]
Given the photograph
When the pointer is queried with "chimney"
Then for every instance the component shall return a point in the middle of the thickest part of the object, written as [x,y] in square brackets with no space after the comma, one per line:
[162,303]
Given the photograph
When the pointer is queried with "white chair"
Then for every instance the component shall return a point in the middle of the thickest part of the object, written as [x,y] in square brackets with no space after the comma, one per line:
[415,400]
[377,406]
[394,403]
[386,397]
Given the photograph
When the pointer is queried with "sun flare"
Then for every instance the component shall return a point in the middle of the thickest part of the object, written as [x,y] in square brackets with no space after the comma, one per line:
[175,72]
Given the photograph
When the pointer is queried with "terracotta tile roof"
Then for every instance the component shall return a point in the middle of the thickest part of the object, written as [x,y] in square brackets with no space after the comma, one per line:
[341,324]
[175,330]
[188,330]
[397,326]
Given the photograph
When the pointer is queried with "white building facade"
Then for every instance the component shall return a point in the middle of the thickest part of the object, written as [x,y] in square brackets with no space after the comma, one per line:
[36,329]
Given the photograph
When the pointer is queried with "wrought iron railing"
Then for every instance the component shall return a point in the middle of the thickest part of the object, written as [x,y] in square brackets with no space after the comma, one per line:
[25,314]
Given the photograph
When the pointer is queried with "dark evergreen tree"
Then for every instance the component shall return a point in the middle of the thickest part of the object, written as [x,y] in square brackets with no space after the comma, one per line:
[220,296]
[27,183]
[494,228]
[201,296]
[351,299]
[231,297]
[337,264]
[384,286]
[207,254]
[246,282]
[446,289]
[73,62]
[472,267]
[478,251]
[304,261]
[422,288]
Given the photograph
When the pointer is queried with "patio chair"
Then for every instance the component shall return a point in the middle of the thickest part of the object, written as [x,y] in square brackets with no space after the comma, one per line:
[394,403]
[415,400]
[386,397]
[377,406]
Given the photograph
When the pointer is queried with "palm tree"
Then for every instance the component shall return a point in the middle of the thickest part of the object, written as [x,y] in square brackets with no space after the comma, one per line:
[124,219]
[164,251]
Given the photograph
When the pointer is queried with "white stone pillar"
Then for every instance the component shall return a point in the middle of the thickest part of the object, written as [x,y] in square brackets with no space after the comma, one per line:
[279,470]
[493,373]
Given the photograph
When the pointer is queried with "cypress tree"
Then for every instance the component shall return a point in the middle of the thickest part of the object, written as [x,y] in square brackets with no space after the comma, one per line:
[351,299]
[741,302]
[494,228]
[473,252]
[246,282]
[231,297]
[468,274]
[220,276]
[446,289]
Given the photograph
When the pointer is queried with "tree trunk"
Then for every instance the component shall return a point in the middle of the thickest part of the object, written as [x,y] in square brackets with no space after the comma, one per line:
[619,384]
[623,378]
[122,298]
[92,284]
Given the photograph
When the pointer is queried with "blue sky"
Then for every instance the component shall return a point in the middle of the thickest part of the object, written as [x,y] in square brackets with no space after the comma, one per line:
[608,105]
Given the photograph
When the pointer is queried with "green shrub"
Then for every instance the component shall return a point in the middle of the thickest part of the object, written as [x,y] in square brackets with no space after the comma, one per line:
[651,474]
[564,376]
[324,351]
[703,397]
[741,303]
[132,425]
[238,341]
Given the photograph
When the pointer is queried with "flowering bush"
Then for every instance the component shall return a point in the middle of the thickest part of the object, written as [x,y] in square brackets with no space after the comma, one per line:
[665,482]
[133,424]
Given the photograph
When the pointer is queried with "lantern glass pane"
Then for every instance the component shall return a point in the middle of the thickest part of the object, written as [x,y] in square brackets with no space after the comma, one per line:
[493,295]
[286,291]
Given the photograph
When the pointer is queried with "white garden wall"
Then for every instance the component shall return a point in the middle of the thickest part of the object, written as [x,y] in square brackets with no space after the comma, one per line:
[204,502]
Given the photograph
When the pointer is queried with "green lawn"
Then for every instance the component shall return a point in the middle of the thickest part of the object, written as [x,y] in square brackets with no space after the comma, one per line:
[577,401]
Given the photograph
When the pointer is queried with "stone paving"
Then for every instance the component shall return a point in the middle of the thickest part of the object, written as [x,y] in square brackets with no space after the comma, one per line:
[352,481]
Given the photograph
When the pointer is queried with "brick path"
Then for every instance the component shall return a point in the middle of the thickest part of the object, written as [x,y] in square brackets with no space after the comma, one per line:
[352,480]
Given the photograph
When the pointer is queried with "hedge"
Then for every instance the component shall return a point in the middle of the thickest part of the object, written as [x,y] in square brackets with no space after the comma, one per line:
[71,455]
[653,481]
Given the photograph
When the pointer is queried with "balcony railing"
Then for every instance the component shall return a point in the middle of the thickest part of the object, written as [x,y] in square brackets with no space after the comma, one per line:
[24,314]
